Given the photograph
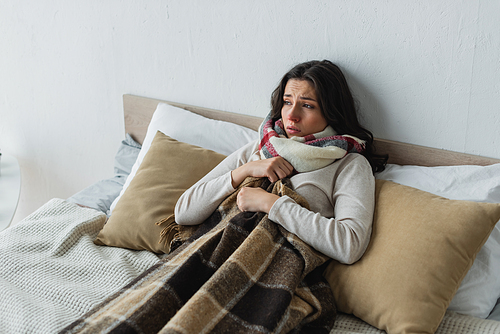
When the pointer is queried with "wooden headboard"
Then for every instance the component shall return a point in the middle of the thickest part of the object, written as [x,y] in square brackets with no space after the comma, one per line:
[138,112]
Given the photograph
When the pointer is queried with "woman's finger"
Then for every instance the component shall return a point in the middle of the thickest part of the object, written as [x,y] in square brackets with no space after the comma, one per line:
[273,177]
[284,169]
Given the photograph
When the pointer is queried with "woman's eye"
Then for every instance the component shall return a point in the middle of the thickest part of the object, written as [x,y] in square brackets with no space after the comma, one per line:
[308,106]
[287,102]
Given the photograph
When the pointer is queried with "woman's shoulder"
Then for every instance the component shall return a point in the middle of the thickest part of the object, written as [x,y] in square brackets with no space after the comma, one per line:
[241,156]
[247,150]
[354,160]
[353,165]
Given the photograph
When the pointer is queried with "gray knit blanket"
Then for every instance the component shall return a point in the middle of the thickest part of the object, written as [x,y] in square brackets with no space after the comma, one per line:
[51,272]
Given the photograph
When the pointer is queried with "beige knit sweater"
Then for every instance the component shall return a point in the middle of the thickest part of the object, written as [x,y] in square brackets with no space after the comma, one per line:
[341,197]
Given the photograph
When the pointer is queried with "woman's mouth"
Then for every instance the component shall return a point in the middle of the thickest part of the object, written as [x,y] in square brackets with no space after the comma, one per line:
[292,130]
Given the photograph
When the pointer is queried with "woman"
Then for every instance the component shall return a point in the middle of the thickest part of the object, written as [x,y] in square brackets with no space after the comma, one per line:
[312,122]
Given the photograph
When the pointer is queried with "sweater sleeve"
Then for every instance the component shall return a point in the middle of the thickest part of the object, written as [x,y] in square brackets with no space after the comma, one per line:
[198,202]
[345,236]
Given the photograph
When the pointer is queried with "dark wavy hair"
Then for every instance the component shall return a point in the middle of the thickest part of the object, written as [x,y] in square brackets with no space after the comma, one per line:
[335,100]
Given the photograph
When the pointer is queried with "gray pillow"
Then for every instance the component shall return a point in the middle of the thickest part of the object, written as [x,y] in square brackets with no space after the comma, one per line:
[101,194]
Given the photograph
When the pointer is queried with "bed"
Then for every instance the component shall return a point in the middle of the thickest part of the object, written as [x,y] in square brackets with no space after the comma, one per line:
[71,255]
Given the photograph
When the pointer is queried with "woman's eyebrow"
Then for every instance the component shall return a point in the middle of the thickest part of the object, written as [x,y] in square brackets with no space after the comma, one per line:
[301,97]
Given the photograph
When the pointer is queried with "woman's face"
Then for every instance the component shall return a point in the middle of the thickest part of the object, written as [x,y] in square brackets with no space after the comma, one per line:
[301,113]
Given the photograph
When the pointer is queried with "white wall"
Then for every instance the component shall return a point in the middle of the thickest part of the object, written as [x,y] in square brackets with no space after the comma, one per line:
[425,72]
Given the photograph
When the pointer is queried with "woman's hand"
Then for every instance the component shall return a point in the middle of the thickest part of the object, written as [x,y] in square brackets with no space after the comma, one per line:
[274,169]
[255,200]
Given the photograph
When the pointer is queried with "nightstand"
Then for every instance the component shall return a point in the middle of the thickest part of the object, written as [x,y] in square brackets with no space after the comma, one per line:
[10,188]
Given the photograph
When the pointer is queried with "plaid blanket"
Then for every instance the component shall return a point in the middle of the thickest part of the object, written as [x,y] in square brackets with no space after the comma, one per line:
[238,272]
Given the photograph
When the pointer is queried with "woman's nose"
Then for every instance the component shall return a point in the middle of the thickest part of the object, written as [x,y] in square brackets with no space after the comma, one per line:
[293,115]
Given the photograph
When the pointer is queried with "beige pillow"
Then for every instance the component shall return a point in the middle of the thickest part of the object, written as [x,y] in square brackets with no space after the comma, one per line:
[421,248]
[168,169]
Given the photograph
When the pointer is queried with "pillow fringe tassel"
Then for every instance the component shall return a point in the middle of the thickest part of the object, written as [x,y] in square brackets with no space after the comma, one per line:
[170,232]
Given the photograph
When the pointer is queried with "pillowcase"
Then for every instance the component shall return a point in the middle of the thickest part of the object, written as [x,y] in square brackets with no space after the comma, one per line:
[421,248]
[468,183]
[185,126]
[126,155]
[168,169]
[480,288]
[101,194]
[495,314]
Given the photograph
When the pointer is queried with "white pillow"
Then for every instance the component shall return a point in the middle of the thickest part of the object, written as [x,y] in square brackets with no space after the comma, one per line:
[480,288]
[185,126]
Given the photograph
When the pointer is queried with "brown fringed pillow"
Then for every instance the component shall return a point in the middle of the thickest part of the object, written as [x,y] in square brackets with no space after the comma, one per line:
[421,248]
[168,169]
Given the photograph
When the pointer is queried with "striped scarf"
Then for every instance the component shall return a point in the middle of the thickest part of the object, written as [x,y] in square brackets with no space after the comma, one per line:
[306,153]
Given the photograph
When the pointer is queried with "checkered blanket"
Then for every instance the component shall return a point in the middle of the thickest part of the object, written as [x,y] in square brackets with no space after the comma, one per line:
[238,272]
